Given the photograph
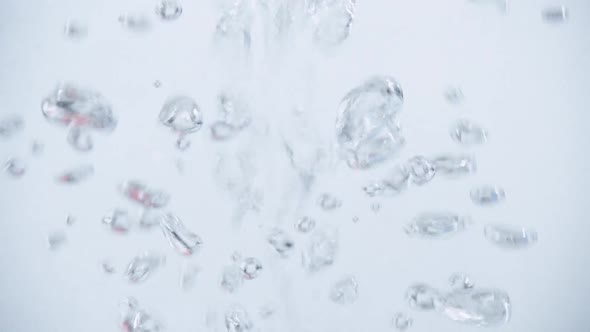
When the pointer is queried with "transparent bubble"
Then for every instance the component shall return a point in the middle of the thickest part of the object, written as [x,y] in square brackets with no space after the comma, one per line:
[234,27]
[251,268]
[454,164]
[468,133]
[15,167]
[70,220]
[401,321]
[422,170]
[75,30]
[460,281]
[179,237]
[267,310]
[181,114]
[118,221]
[329,202]
[281,242]
[305,224]
[375,207]
[510,237]
[237,319]
[232,278]
[344,291]
[135,319]
[333,21]
[234,110]
[168,10]
[436,225]
[395,183]
[56,240]
[150,218]
[140,193]
[320,251]
[188,275]
[107,267]
[135,22]
[80,139]
[76,175]
[454,95]
[487,195]
[558,14]
[221,131]
[478,306]
[10,125]
[37,148]
[366,126]
[183,143]
[423,297]
[142,266]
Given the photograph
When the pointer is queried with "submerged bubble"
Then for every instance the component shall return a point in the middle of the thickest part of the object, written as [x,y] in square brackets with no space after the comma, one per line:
[10,125]
[478,306]
[134,21]
[181,114]
[375,207]
[70,220]
[436,225]
[76,175]
[267,310]
[329,202]
[178,236]
[558,14]
[510,237]
[188,275]
[468,133]
[142,266]
[135,319]
[15,167]
[232,278]
[168,10]
[454,95]
[251,268]
[234,110]
[454,164]
[118,221]
[344,291]
[395,182]
[140,193]
[37,148]
[423,297]
[460,281]
[237,319]
[422,170]
[107,267]
[80,139]
[320,251]
[281,242]
[333,21]
[366,127]
[305,224]
[183,143]
[56,240]
[487,195]
[221,131]
[401,321]
[150,218]
[75,30]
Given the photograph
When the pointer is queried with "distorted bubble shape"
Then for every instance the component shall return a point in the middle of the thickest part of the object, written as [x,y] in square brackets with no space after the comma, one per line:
[222,131]
[477,306]
[487,195]
[510,237]
[135,22]
[366,127]
[237,319]
[179,237]
[181,114]
[460,281]
[321,249]
[232,278]
[345,290]
[466,132]
[10,125]
[305,224]
[140,193]
[135,319]
[401,321]
[422,170]
[333,21]
[454,164]
[251,267]
[118,221]
[142,266]
[76,175]
[234,110]
[421,296]
[168,10]
[436,224]
[281,242]
[329,202]
[15,167]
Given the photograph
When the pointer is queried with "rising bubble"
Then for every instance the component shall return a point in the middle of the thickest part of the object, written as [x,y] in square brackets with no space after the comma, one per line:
[423,297]
[179,237]
[76,175]
[305,224]
[487,195]
[181,114]
[510,237]
[237,319]
[401,321]
[422,170]
[435,225]
[15,167]
[477,306]
[329,202]
[11,125]
[468,133]
[142,266]
[251,268]
[281,242]
[344,291]
[454,164]
[320,251]
[168,10]
[118,221]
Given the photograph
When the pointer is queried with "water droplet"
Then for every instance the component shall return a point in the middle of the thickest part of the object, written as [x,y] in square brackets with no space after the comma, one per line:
[10,125]
[134,21]
[237,319]
[234,110]
[305,224]
[183,143]
[80,139]
[423,297]
[401,321]
[221,131]
[468,133]
[510,237]
[329,202]
[333,22]
[454,95]
[178,236]
[251,268]
[168,10]
[76,175]
[487,195]
[140,193]
[435,225]
[181,114]
[118,221]
[15,167]
[422,170]
[70,220]
[134,319]
[37,148]
[281,242]
[70,105]
[232,278]
[396,182]
[454,165]
[460,281]
[142,266]
[107,267]
[321,249]
[344,291]
[366,126]
[188,275]
[558,14]
[56,240]
[375,207]
[75,30]
[478,306]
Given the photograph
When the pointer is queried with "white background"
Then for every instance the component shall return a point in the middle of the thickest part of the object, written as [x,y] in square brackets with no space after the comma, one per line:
[525,80]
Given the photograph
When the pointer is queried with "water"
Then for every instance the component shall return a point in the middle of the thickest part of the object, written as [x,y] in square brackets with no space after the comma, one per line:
[558,14]
[135,319]
[15,167]
[179,237]
[366,127]
[454,165]
[75,30]
[395,183]
[56,239]
[460,281]
[333,21]
[188,276]
[221,131]
[181,114]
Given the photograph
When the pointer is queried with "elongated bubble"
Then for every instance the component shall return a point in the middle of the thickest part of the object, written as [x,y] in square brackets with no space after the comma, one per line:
[478,306]
[179,237]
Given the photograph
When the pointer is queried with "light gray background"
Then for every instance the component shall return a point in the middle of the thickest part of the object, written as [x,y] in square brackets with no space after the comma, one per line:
[524,80]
